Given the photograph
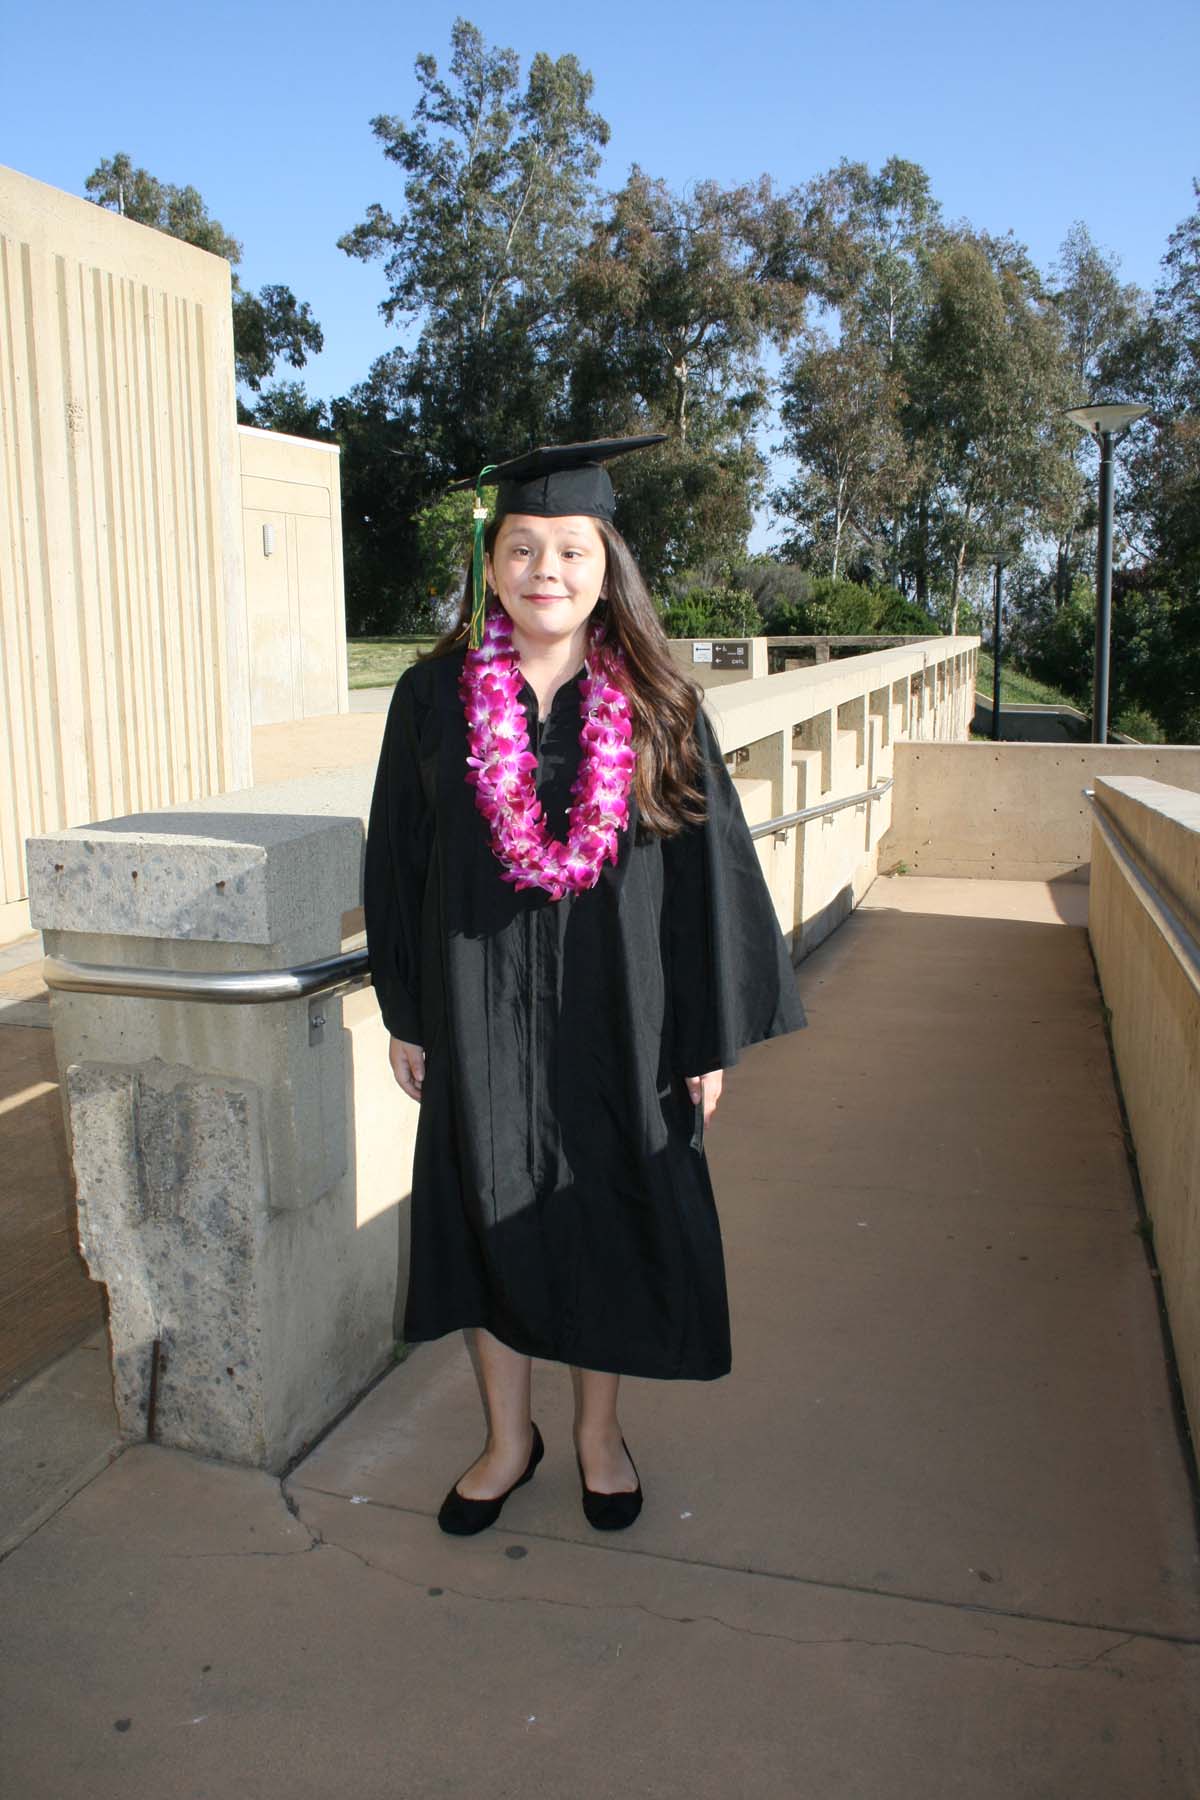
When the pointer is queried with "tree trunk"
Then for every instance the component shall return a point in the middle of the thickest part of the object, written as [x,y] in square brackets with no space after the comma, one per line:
[923,552]
[1062,568]
[959,560]
[839,522]
[681,401]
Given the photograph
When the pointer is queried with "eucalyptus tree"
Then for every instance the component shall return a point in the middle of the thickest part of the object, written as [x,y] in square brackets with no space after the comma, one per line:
[673,301]
[676,293]
[1159,364]
[840,409]
[1097,309]
[878,232]
[266,326]
[497,194]
[1098,312]
[843,398]
[988,381]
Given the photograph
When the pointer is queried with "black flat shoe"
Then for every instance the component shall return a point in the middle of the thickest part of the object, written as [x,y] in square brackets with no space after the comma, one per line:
[610,1512]
[463,1517]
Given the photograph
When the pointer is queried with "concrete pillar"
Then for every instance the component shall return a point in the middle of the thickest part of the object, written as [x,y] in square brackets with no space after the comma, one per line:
[816,734]
[850,745]
[806,839]
[210,1143]
[879,767]
[917,728]
[776,852]
[765,760]
[899,708]
[880,708]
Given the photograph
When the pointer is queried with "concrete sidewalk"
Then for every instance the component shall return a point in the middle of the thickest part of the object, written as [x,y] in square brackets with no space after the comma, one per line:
[933,1537]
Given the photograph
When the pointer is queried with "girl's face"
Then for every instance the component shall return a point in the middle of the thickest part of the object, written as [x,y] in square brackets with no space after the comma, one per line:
[548,573]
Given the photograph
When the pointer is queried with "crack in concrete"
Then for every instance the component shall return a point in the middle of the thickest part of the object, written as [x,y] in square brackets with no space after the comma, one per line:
[977,1609]
[783,1637]
[235,1555]
[316,1540]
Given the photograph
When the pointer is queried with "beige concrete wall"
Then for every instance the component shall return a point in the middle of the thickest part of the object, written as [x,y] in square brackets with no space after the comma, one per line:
[122,600]
[1155,1029]
[295,596]
[816,734]
[1011,811]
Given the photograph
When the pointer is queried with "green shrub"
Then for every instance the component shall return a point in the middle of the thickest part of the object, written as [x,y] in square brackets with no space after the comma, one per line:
[846,609]
[1137,723]
[713,612]
[686,619]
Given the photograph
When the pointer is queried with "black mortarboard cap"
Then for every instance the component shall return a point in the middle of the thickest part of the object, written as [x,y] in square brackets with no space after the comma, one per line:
[559,480]
[553,482]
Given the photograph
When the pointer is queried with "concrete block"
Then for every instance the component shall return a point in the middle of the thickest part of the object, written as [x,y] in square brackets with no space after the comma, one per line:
[171,1176]
[213,879]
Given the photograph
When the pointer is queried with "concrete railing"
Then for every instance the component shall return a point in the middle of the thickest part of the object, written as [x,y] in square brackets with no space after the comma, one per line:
[241,1169]
[817,734]
[1144,924]
[1013,811]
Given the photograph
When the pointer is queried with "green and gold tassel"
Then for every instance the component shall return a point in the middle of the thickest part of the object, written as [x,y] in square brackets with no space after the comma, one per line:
[480,515]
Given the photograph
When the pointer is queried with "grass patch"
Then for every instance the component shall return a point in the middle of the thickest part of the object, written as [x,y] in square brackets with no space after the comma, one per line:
[1019,688]
[380,662]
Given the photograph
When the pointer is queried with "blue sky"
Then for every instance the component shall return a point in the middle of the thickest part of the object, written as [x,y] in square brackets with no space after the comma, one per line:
[1026,117]
[265,108]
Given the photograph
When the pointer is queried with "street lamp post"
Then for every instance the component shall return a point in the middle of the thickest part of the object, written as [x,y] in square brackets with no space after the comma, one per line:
[1106,424]
[996,648]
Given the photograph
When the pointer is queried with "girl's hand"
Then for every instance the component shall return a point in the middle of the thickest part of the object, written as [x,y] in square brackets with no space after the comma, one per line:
[706,1087]
[408,1066]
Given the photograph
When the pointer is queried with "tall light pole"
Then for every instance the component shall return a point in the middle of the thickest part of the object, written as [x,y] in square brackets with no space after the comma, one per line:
[999,599]
[1106,424]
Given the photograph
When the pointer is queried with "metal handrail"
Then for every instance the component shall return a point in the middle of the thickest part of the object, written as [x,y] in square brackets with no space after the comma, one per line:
[786,820]
[220,987]
[333,974]
[1175,933]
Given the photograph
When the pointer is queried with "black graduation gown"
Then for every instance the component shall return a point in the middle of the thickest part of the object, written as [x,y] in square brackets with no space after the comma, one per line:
[560,1193]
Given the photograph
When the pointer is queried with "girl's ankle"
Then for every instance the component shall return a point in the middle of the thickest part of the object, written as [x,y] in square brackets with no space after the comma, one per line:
[606,1435]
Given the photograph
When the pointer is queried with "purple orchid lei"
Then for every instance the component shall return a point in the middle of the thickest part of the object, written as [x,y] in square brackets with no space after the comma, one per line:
[500,764]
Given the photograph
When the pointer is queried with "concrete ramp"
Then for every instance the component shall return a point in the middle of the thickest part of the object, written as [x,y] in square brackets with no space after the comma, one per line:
[935,1535]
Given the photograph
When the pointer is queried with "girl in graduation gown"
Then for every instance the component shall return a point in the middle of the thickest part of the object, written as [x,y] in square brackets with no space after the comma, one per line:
[563,1015]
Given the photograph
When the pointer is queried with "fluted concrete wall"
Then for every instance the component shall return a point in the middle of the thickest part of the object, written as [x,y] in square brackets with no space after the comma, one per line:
[295,593]
[125,677]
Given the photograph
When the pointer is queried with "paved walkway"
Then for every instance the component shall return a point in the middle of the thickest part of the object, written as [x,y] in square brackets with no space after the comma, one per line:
[47,1302]
[933,1537]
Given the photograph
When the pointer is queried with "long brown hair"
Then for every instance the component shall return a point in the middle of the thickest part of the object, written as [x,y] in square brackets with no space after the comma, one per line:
[663,701]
